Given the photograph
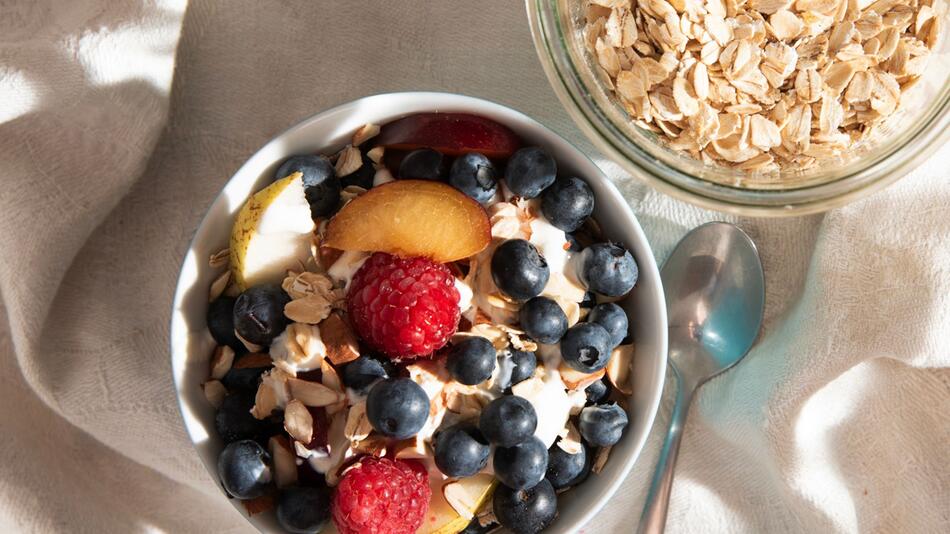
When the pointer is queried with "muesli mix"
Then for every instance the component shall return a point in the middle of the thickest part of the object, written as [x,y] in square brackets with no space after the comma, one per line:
[419,333]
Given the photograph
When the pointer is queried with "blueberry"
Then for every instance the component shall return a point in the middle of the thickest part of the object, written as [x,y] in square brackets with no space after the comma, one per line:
[525,511]
[586,347]
[565,469]
[573,244]
[303,510]
[521,466]
[461,451]
[234,421]
[543,320]
[397,407]
[524,364]
[508,420]
[320,183]
[609,269]
[602,425]
[474,175]
[612,318]
[259,313]
[568,203]
[423,164]
[362,177]
[246,372]
[220,319]
[519,270]
[363,372]
[471,361]
[589,301]
[530,171]
[597,391]
[244,469]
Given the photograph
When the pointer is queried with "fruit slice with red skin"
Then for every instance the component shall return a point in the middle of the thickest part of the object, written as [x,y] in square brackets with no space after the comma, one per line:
[409,218]
[452,134]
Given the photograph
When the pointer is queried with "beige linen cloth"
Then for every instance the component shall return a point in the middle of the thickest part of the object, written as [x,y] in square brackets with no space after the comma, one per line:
[120,121]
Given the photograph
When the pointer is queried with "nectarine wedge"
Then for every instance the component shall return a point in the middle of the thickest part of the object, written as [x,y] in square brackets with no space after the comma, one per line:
[452,134]
[412,218]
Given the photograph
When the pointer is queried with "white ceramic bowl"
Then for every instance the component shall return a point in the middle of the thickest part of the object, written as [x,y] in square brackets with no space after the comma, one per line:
[191,344]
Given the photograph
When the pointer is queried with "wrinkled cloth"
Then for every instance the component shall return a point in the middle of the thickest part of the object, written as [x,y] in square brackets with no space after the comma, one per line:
[121,120]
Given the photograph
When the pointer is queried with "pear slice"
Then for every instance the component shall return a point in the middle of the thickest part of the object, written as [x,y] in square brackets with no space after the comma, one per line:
[453,506]
[272,233]
[412,218]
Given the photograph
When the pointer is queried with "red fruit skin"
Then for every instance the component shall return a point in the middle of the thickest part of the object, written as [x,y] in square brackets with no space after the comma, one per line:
[453,134]
[382,496]
[405,308]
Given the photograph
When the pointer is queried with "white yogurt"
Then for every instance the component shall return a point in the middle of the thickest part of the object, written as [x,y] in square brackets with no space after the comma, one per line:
[552,405]
[286,355]
[346,265]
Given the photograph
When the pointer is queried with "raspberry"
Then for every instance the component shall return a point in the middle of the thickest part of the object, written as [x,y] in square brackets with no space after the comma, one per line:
[403,307]
[382,496]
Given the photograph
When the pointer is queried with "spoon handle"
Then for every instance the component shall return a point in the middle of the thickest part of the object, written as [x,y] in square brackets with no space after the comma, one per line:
[653,520]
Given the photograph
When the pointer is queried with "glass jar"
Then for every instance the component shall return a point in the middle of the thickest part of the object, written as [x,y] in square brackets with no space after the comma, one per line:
[904,140]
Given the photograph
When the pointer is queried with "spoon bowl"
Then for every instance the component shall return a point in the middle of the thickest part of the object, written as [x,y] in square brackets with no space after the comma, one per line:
[715,297]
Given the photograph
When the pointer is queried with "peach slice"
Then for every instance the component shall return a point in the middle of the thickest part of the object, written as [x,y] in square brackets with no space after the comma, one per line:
[452,134]
[412,218]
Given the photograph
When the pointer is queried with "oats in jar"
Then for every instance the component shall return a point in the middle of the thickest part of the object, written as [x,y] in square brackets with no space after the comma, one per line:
[764,84]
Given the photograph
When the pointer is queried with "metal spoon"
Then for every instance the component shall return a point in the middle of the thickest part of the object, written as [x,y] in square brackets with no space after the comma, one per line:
[715,295]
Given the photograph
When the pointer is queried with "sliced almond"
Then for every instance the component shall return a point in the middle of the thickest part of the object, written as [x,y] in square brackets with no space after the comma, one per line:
[357,424]
[338,444]
[218,286]
[285,462]
[266,400]
[220,258]
[376,154]
[349,160]
[601,460]
[365,133]
[575,379]
[215,392]
[338,336]
[570,441]
[313,394]
[331,379]
[618,369]
[221,361]
[298,422]
[467,495]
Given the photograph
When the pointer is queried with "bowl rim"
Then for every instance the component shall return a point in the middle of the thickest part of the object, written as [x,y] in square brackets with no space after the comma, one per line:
[604,133]
[178,326]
